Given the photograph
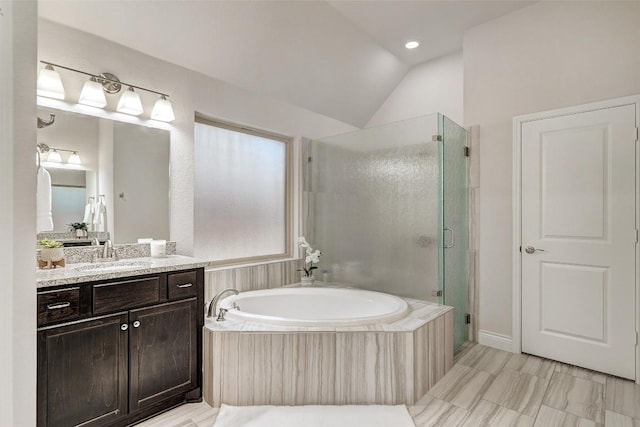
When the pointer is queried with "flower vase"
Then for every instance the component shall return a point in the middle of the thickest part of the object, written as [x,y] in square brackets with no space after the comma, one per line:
[307,280]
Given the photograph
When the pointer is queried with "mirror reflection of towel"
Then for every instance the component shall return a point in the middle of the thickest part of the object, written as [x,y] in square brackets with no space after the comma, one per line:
[100,215]
[44,217]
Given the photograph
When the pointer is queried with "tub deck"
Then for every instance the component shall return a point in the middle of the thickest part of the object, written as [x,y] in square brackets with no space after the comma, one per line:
[384,363]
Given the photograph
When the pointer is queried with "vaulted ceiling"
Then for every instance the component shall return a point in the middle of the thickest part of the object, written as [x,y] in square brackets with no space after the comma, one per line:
[337,58]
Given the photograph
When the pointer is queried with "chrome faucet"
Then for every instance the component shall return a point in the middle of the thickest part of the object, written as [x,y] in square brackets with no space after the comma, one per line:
[214,303]
[108,252]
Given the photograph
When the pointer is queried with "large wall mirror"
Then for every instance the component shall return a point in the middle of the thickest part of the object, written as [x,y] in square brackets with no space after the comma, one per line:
[127,163]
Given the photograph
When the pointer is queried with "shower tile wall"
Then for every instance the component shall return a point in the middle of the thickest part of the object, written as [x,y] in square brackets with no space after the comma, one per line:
[372,201]
[252,278]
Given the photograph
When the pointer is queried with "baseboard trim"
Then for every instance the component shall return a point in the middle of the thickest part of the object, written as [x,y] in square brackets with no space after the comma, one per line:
[499,341]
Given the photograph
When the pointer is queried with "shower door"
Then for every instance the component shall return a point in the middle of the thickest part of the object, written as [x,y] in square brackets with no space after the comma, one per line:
[455,225]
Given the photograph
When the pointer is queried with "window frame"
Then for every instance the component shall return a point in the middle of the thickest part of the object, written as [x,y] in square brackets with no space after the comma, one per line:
[289,188]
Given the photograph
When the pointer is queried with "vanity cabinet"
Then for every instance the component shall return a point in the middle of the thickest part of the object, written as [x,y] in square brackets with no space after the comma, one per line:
[114,352]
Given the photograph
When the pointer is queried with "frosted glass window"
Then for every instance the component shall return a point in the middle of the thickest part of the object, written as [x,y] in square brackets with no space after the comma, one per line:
[241,188]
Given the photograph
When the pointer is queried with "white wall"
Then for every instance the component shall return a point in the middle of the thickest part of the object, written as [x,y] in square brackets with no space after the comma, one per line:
[190,92]
[545,56]
[432,87]
[17,216]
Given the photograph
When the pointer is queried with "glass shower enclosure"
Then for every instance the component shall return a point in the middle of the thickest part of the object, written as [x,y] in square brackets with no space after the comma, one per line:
[387,206]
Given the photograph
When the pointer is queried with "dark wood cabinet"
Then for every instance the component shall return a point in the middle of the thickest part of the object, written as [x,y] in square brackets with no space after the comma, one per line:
[82,374]
[163,352]
[116,365]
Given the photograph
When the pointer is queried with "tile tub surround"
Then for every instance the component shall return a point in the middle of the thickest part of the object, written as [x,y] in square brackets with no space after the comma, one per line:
[69,274]
[252,277]
[388,363]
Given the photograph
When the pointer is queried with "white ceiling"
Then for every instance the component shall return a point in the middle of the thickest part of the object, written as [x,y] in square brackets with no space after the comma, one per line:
[337,58]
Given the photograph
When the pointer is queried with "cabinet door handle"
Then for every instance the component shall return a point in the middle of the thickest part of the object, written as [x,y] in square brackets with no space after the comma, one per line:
[58,305]
[124,326]
[136,324]
[185,285]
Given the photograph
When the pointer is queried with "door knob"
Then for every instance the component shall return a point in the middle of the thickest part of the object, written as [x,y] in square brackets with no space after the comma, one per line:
[532,250]
[136,324]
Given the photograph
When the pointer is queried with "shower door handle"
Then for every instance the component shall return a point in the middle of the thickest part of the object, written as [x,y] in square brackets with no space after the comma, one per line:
[453,238]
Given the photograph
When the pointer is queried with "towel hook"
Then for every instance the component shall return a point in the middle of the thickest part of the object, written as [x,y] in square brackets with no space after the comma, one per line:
[44,123]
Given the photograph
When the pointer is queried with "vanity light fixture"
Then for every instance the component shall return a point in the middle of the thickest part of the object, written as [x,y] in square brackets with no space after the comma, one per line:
[162,110]
[54,156]
[50,83]
[74,159]
[130,103]
[93,94]
[412,44]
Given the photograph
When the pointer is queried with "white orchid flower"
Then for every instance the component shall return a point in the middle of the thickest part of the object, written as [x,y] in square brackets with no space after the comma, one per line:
[303,242]
[314,257]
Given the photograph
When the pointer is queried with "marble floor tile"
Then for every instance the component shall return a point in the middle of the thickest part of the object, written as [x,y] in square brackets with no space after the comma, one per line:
[612,419]
[577,396]
[518,391]
[623,397]
[532,365]
[489,414]
[462,386]
[469,397]
[485,359]
[437,413]
[463,350]
[585,374]
[424,400]
[550,417]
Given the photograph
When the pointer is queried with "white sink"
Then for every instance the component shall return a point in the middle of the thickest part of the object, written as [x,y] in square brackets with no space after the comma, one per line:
[108,267]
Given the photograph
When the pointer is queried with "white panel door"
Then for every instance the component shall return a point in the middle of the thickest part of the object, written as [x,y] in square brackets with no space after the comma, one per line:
[579,239]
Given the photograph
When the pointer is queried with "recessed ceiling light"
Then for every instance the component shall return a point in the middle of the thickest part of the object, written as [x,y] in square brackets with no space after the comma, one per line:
[412,44]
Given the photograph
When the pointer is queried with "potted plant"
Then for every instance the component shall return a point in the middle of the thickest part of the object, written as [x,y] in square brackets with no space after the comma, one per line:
[51,250]
[80,228]
[311,258]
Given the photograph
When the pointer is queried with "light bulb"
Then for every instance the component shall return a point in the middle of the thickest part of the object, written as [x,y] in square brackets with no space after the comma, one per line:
[162,110]
[130,103]
[54,156]
[50,83]
[92,94]
[74,159]
[412,44]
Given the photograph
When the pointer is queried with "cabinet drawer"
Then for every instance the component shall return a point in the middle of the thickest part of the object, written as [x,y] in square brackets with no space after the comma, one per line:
[55,306]
[116,296]
[182,285]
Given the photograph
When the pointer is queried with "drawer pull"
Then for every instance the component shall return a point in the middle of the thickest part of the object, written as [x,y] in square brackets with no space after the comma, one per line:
[185,285]
[58,305]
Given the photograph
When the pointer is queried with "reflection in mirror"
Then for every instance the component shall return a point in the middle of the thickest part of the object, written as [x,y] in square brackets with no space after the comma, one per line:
[68,196]
[127,163]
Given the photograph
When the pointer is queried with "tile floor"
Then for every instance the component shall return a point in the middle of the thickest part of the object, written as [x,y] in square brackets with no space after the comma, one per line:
[489,387]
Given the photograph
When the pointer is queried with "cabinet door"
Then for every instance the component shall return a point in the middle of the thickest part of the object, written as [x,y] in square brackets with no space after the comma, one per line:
[163,357]
[82,372]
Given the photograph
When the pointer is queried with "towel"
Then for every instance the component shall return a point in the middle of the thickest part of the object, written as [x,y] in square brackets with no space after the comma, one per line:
[88,212]
[314,416]
[44,218]
[100,215]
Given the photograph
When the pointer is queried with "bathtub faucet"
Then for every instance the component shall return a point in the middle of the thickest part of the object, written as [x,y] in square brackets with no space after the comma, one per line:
[214,302]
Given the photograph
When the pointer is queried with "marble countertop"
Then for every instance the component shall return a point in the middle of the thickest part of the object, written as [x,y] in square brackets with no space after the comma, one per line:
[75,273]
